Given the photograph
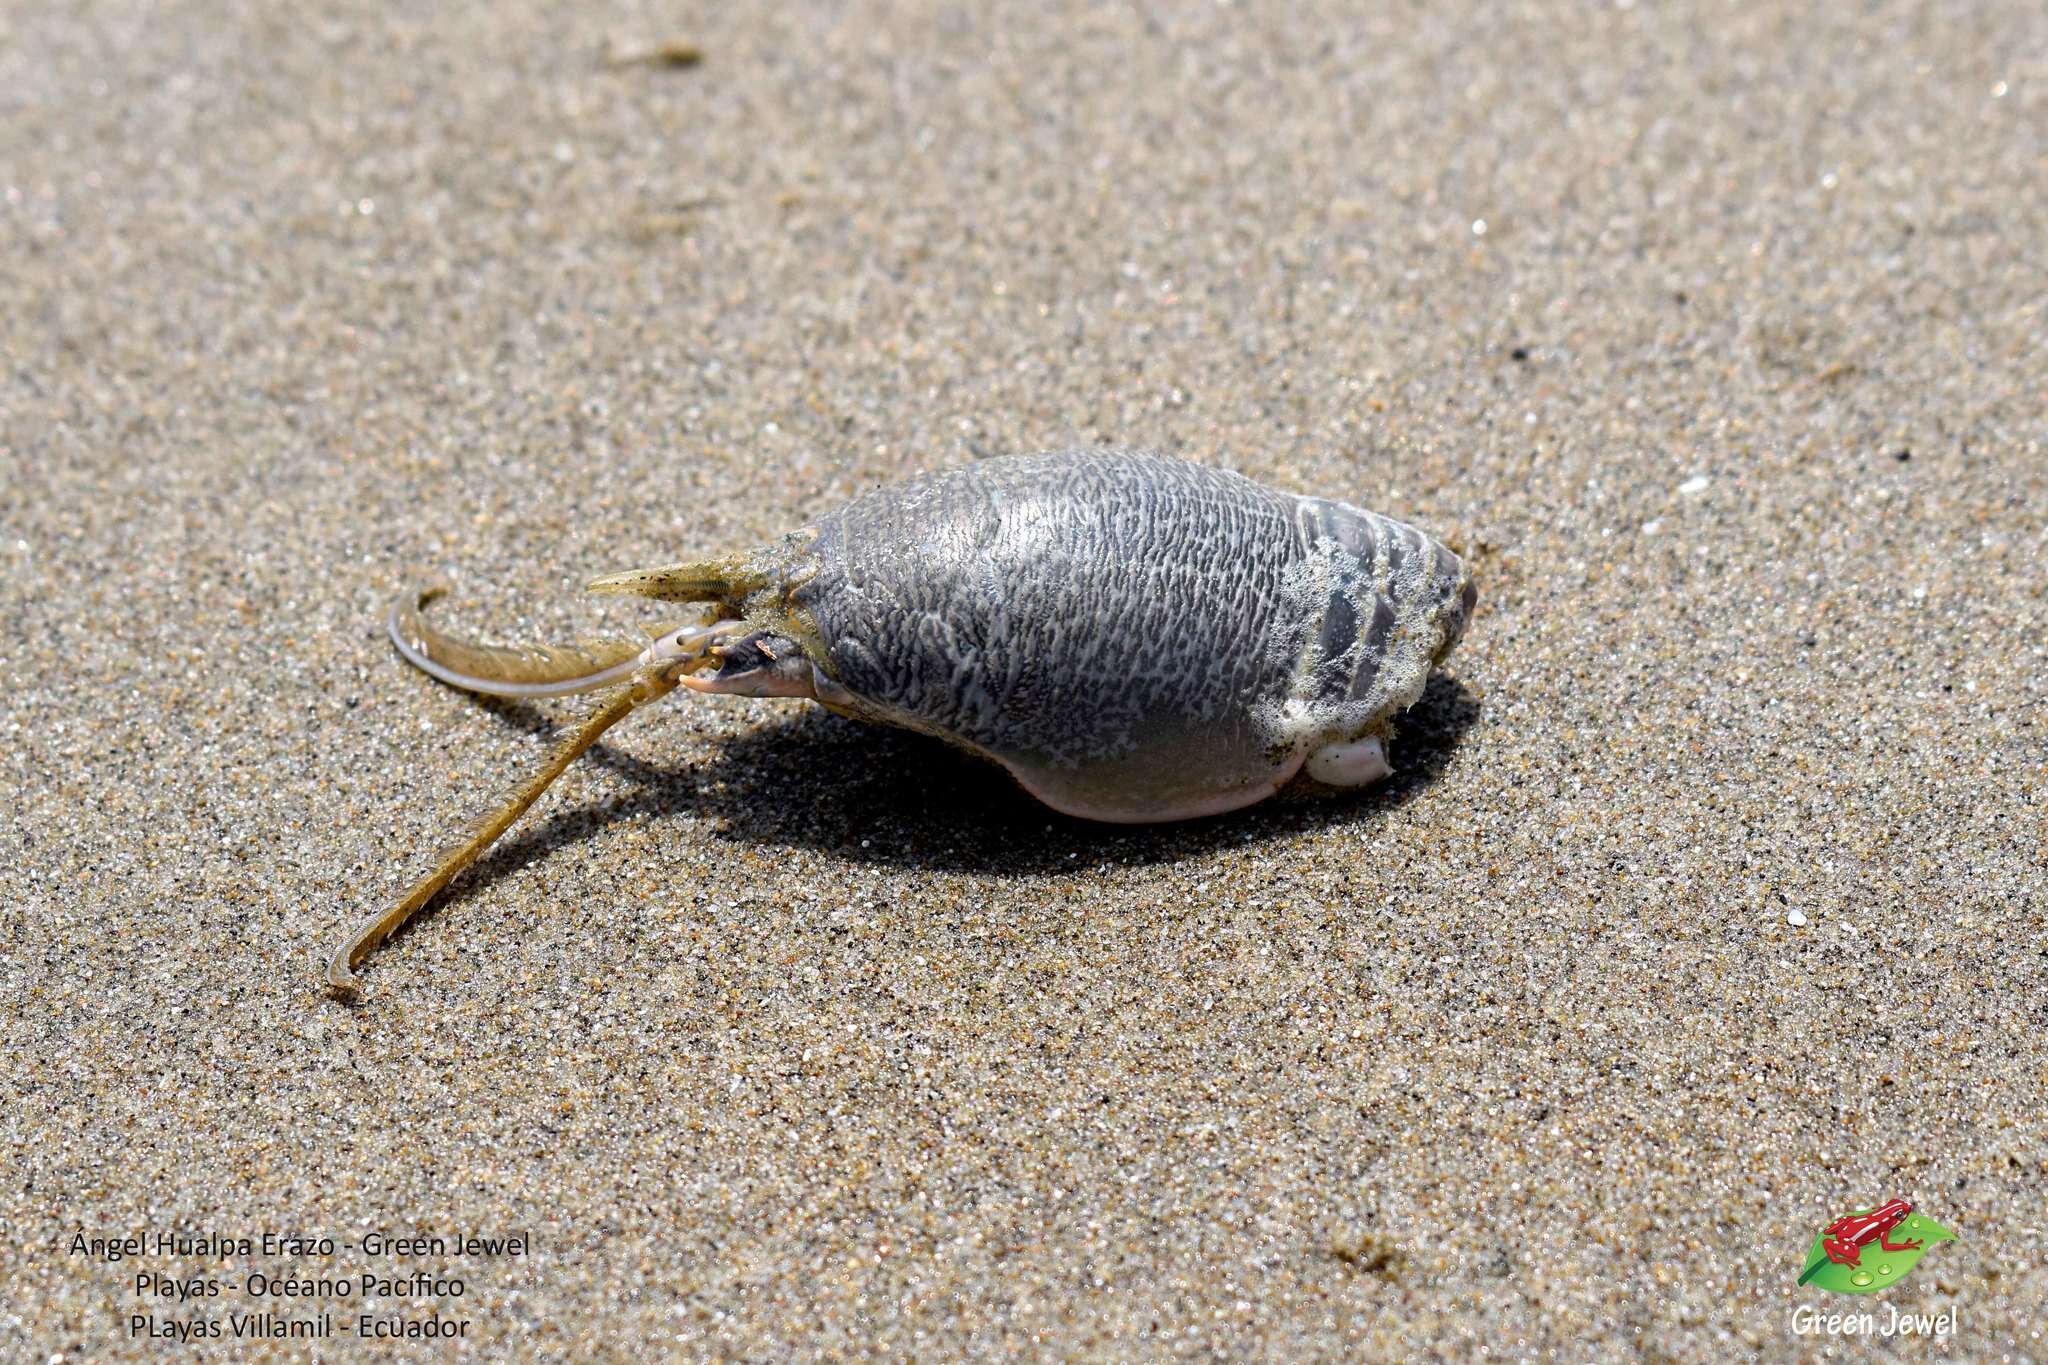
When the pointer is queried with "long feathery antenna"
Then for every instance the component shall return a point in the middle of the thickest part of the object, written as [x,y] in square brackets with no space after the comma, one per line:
[374,930]
[506,670]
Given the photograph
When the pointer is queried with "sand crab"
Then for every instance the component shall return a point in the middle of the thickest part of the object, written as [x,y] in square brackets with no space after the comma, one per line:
[1134,638]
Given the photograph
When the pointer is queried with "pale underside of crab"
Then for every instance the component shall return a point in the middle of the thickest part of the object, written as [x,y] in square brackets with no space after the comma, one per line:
[1134,638]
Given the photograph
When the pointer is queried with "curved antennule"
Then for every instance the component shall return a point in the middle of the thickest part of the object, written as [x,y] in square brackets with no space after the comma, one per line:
[507,670]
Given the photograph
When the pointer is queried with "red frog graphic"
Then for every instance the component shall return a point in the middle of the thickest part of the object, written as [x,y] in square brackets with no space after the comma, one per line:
[1845,1238]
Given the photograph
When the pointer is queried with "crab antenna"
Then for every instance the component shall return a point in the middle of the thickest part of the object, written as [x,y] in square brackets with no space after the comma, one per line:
[506,670]
[617,706]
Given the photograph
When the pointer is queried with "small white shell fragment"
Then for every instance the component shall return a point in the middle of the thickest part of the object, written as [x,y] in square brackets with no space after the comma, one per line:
[1795,918]
[1695,485]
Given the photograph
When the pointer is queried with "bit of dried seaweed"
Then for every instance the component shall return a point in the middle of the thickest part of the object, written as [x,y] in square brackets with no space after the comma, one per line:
[674,55]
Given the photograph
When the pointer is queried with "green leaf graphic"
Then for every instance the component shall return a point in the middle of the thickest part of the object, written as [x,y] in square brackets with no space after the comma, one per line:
[1876,1268]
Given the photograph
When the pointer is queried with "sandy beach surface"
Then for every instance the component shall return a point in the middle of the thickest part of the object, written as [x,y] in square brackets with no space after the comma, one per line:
[1707,901]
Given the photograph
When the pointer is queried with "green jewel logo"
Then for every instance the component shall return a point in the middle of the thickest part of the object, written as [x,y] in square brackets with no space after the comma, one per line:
[1866,1250]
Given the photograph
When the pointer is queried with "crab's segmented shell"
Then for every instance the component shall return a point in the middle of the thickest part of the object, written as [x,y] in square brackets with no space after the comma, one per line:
[1135,637]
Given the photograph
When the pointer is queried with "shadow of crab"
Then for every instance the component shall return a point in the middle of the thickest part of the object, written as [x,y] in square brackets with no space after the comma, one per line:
[870,794]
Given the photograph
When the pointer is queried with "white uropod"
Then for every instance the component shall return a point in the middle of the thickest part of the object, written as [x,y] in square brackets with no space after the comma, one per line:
[1135,638]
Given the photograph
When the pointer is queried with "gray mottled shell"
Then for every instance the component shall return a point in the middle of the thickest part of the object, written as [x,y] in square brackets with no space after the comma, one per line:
[1133,636]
